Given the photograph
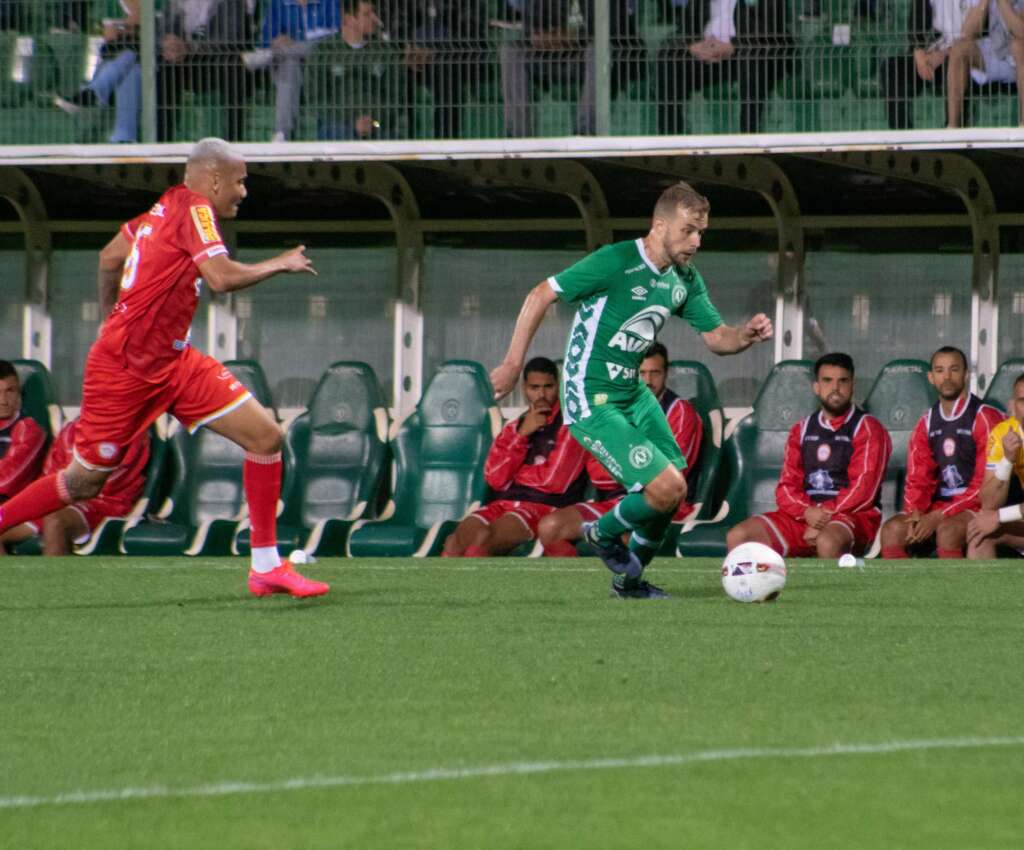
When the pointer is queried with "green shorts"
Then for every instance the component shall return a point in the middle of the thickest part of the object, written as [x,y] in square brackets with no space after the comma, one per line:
[631,438]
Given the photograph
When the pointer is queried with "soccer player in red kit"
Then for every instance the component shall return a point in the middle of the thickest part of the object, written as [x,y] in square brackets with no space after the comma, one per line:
[75,524]
[142,364]
[559,530]
[945,466]
[534,467]
[22,440]
[829,492]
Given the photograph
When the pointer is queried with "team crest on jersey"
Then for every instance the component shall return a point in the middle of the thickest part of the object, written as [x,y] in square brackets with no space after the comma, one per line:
[949,447]
[206,224]
[640,456]
[638,332]
[678,295]
[824,452]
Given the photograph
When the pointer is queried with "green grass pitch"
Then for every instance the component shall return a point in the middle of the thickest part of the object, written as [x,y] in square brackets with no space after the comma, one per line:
[509,703]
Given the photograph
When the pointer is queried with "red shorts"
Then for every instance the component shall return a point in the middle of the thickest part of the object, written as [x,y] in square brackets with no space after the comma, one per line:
[93,512]
[787,534]
[117,407]
[528,513]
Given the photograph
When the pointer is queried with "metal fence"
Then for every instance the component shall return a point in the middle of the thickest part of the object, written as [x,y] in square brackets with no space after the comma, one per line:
[262,70]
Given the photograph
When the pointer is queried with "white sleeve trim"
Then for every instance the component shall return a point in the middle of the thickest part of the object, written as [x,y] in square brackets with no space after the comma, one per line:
[553,283]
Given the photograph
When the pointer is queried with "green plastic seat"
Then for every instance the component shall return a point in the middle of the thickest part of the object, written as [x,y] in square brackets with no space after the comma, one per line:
[339,446]
[38,399]
[900,394]
[439,452]
[752,457]
[206,500]
[1001,388]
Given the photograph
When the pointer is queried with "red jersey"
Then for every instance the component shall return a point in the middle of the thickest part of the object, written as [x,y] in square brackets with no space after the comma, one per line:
[687,428]
[946,457]
[861,478]
[124,485]
[22,444]
[149,326]
[545,466]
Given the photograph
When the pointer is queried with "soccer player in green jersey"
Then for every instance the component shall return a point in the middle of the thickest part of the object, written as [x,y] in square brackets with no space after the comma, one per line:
[624,293]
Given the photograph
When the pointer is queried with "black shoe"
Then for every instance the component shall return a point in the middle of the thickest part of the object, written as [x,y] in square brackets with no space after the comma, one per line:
[73,105]
[643,590]
[615,554]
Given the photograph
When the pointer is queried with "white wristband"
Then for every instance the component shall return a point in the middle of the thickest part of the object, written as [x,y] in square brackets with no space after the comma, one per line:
[1004,469]
[1011,513]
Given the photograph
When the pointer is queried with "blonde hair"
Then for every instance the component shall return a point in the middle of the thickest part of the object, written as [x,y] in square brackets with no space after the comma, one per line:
[678,195]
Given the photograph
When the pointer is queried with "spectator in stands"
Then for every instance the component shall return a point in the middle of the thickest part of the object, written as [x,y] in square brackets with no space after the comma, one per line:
[118,75]
[357,85]
[534,467]
[22,440]
[558,531]
[556,49]
[75,524]
[995,524]
[718,42]
[444,49]
[201,51]
[945,466]
[291,29]
[996,58]
[934,27]
[829,492]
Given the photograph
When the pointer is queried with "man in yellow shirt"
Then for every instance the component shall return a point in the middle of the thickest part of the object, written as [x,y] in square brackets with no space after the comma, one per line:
[997,524]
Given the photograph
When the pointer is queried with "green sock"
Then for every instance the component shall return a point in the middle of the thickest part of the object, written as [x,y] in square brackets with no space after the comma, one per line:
[630,513]
[646,540]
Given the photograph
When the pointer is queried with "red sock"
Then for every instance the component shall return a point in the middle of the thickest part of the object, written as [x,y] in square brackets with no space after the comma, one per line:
[950,553]
[43,496]
[476,552]
[261,477]
[560,549]
[890,553]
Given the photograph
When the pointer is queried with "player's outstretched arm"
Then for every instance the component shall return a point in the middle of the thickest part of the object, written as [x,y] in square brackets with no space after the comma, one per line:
[108,276]
[223,274]
[504,376]
[729,339]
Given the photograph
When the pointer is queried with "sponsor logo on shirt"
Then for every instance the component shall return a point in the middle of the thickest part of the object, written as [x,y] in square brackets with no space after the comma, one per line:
[157,210]
[636,269]
[206,224]
[608,461]
[107,450]
[615,371]
[638,332]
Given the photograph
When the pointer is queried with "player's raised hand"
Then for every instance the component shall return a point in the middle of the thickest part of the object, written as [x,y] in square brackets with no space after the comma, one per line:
[503,379]
[759,328]
[296,260]
[1011,445]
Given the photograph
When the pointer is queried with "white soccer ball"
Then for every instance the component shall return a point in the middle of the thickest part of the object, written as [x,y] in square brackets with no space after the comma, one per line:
[752,572]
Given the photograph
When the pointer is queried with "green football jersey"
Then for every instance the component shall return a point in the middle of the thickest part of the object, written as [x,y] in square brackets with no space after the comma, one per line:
[623,301]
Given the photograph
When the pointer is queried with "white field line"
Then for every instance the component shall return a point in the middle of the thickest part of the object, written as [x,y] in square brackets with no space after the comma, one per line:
[219,789]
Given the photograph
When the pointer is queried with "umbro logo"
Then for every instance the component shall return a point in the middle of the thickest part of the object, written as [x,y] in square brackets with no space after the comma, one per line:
[639,293]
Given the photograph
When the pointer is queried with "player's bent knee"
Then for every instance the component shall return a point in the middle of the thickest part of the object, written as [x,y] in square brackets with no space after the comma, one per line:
[82,484]
[548,529]
[950,535]
[893,532]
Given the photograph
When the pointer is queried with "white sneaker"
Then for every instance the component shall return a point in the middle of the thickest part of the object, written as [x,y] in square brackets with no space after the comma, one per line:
[278,137]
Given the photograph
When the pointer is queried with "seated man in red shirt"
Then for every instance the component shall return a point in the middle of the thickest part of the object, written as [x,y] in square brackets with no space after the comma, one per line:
[945,466]
[22,440]
[829,494]
[534,468]
[560,530]
[75,524]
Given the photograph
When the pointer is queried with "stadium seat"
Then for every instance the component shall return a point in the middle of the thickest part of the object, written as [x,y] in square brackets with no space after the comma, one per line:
[1001,388]
[897,398]
[38,399]
[206,500]
[752,456]
[339,446]
[439,452]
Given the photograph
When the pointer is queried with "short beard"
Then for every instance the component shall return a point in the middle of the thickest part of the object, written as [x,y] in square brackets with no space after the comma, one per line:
[833,412]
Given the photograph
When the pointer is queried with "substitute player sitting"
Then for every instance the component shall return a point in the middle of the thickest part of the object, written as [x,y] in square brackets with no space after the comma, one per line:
[624,293]
[997,524]
[22,440]
[945,466]
[142,364]
[75,524]
[828,495]
[534,467]
[558,531]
